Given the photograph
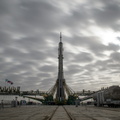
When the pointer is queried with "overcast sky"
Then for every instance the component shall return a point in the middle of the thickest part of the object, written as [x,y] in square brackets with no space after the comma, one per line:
[29,37]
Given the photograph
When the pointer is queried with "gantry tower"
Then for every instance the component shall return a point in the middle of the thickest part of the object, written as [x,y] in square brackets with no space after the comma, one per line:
[60,89]
[60,96]
[60,93]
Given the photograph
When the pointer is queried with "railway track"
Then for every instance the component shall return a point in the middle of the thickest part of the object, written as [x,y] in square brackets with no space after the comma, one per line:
[60,113]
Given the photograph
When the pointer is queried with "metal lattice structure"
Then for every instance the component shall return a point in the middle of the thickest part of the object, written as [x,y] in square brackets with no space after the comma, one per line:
[60,89]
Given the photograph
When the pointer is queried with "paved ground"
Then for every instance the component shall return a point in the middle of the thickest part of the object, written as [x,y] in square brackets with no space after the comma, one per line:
[60,114]
[27,113]
[94,113]
[43,112]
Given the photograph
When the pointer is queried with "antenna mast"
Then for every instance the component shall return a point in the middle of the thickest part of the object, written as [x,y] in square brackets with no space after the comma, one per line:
[60,37]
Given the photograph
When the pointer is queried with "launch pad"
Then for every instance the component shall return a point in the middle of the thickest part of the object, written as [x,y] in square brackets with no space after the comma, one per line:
[61,93]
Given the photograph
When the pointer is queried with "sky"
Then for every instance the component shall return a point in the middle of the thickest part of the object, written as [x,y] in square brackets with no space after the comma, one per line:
[29,37]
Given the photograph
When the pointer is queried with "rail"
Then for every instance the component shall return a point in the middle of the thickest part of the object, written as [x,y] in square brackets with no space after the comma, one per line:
[54,112]
[70,116]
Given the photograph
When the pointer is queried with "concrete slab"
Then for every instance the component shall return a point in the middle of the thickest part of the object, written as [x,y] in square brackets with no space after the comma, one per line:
[43,112]
[60,114]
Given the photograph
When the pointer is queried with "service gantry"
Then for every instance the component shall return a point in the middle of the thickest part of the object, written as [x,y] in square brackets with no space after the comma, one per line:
[60,88]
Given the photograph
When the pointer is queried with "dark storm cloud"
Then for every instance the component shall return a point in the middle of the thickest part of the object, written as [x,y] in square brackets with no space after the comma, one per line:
[108,15]
[113,47]
[103,13]
[31,42]
[85,73]
[4,7]
[106,78]
[26,17]
[100,66]
[68,56]
[92,43]
[72,69]
[5,38]
[48,68]
[115,56]
[78,17]
[41,12]
[118,38]
[44,75]
[114,65]
[47,83]
[83,57]
[17,69]
[115,72]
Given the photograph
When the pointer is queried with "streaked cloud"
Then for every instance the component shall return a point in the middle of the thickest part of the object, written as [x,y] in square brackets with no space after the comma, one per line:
[29,37]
